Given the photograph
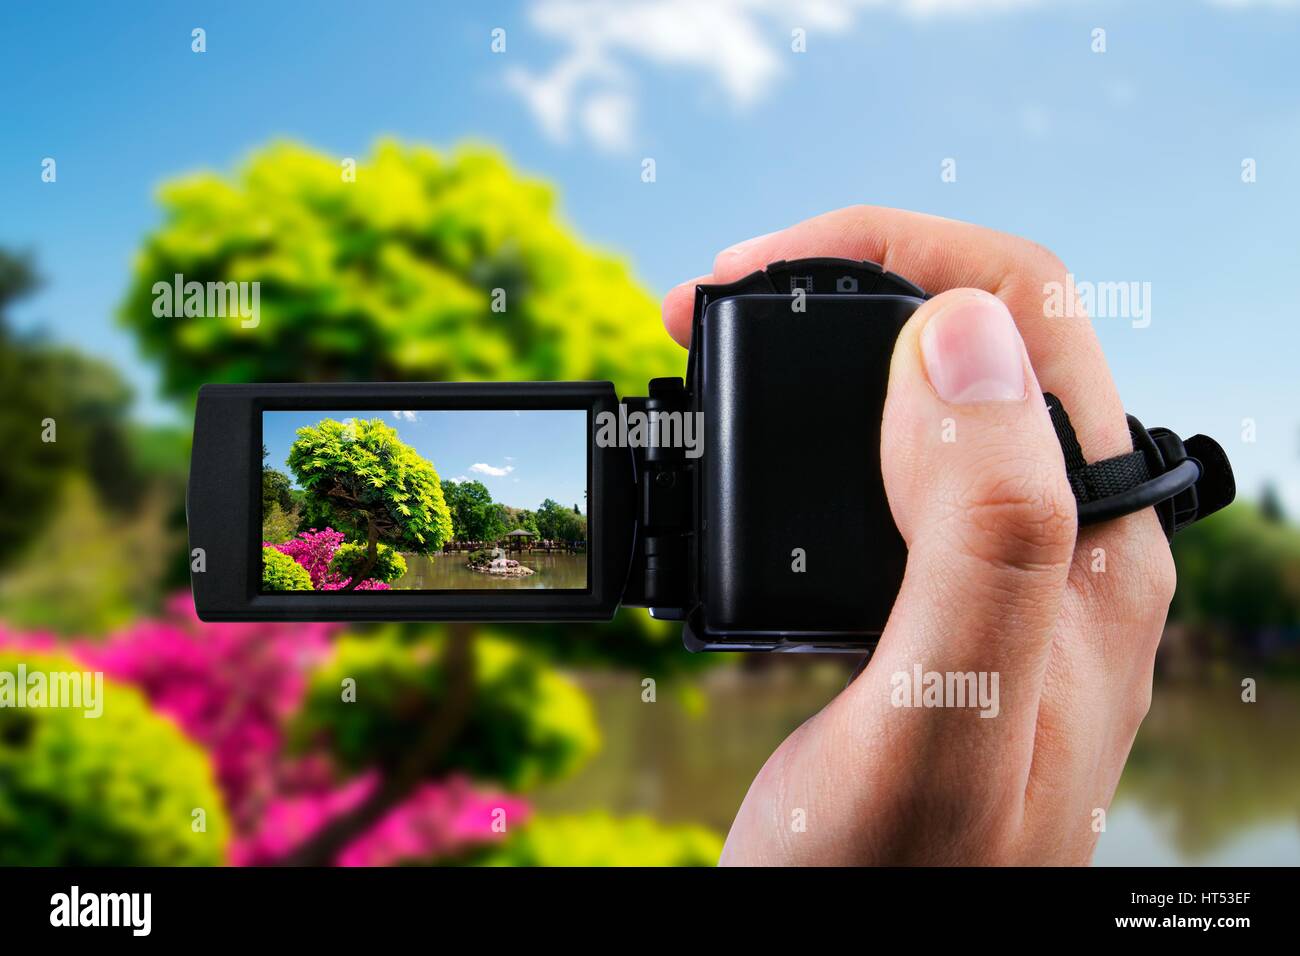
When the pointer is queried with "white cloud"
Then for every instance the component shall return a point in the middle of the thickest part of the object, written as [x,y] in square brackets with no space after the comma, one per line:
[738,45]
[458,479]
[607,120]
[407,416]
[483,469]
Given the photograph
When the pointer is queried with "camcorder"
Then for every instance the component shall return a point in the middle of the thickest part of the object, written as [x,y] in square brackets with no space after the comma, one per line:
[559,501]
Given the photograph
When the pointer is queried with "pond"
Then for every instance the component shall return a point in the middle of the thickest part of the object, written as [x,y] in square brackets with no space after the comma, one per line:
[450,571]
[1211,780]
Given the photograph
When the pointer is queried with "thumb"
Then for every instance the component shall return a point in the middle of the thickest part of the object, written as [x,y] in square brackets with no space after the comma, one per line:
[976,483]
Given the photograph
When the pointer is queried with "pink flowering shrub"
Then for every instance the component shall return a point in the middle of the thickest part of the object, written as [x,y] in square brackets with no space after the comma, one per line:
[438,819]
[233,688]
[314,550]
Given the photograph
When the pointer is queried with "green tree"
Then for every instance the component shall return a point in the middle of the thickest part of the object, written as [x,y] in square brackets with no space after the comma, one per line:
[1239,571]
[474,515]
[1270,505]
[429,267]
[61,413]
[376,486]
[553,520]
[278,525]
[575,527]
[277,489]
[393,277]
[521,518]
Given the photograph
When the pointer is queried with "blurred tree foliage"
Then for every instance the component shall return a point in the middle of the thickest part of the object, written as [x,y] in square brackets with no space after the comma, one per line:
[526,724]
[90,570]
[1239,570]
[426,267]
[599,839]
[93,520]
[393,277]
[60,413]
[118,789]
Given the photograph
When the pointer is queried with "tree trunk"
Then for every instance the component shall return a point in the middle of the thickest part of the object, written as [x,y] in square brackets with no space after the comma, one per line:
[322,847]
[372,555]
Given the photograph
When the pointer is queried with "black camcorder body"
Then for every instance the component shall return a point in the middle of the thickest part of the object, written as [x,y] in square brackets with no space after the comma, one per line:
[745,501]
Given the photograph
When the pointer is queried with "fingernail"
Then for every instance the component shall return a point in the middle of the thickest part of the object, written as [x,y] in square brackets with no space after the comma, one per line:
[973,352]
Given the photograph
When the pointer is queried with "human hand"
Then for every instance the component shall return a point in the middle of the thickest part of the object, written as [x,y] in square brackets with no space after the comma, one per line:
[999,581]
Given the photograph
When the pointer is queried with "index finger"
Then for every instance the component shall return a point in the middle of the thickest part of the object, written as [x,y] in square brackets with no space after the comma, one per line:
[940,254]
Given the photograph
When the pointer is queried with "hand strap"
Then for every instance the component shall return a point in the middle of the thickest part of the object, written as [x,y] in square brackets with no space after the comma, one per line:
[1183,481]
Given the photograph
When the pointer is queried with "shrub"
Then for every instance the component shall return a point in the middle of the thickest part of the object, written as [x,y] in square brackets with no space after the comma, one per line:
[598,839]
[313,550]
[282,573]
[351,557]
[528,724]
[231,687]
[119,789]
[278,525]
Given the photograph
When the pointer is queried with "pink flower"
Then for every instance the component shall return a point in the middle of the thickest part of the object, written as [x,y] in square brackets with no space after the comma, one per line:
[314,550]
[438,819]
[231,687]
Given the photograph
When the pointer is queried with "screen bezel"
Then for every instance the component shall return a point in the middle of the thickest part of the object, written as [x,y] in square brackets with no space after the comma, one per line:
[224,506]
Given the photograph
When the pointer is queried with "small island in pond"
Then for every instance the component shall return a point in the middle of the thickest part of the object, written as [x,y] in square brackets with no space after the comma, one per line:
[495,562]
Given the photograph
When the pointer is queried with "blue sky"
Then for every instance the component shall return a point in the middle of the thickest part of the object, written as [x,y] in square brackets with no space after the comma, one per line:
[1126,163]
[522,457]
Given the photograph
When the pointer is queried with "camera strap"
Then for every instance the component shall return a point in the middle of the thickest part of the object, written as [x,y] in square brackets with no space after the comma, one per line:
[1183,481]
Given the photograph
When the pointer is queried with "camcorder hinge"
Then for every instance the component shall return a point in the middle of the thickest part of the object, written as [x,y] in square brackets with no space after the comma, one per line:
[665,480]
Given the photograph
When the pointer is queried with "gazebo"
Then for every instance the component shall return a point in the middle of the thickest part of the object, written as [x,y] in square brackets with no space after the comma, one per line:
[515,539]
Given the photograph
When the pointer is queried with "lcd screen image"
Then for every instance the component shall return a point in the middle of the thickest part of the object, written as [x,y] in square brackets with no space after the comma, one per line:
[424,500]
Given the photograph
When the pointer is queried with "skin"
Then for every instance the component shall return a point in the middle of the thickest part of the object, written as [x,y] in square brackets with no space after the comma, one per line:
[999,579]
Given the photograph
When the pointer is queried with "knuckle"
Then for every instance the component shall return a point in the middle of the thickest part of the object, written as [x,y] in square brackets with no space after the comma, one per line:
[1139,588]
[1041,258]
[1140,705]
[1163,578]
[1023,518]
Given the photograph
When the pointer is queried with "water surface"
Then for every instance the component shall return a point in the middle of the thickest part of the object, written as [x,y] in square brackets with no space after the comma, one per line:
[450,571]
